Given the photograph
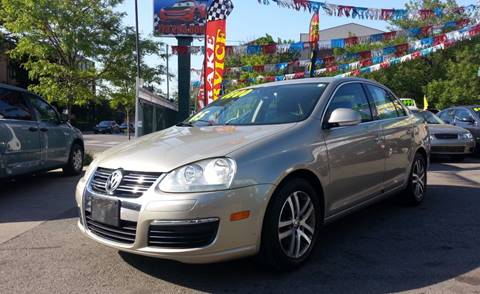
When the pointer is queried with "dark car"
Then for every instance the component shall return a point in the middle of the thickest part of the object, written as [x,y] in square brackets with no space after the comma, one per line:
[123,127]
[467,117]
[107,127]
[34,137]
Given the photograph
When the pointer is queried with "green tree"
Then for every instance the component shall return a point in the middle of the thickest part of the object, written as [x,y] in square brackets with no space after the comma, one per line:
[121,70]
[58,41]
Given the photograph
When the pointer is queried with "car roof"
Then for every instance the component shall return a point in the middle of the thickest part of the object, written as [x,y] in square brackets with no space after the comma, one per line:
[329,80]
[13,88]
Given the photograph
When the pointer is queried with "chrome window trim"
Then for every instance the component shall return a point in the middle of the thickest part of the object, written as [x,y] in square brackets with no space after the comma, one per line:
[186,222]
[324,112]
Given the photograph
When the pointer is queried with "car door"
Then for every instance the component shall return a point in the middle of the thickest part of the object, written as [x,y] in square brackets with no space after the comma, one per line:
[398,135]
[356,157]
[53,132]
[20,146]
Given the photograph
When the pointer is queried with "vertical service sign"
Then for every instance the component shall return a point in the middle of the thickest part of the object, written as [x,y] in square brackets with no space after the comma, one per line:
[215,58]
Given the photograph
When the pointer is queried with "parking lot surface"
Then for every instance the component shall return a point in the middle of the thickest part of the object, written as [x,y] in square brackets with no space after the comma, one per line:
[433,248]
[96,143]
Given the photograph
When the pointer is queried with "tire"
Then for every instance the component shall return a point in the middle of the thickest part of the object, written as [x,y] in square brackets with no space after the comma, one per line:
[458,158]
[74,166]
[95,132]
[416,190]
[279,247]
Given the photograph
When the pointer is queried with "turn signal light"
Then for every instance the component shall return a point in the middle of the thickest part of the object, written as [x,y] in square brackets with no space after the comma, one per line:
[240,215]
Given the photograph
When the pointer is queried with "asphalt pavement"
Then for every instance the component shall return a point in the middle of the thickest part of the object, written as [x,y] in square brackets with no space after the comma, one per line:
[433,248]
[96,143]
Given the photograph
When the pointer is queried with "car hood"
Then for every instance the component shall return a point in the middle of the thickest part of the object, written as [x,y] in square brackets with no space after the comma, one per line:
[174,147]
[445,128]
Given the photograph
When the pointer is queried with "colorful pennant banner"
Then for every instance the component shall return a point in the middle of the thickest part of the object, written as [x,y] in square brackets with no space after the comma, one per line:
[363,56]
[379,62]
[369,13]
[327,44]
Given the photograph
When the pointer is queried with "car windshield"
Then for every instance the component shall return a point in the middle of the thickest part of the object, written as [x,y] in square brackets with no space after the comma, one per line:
[429,118]
[105,123]
[184,4]
[261,106]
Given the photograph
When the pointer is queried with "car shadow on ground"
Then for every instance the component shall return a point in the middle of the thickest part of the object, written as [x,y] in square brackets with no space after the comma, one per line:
[41,197]
[384,248]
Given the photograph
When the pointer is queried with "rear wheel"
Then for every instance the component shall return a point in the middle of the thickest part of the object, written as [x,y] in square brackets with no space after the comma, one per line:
[291,226]
[416,190]
[75,162]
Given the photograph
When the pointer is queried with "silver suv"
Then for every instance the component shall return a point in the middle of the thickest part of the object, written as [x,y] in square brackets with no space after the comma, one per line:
[34,138]
[258,171]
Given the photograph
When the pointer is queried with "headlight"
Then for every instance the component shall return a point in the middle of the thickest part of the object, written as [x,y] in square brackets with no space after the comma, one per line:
[466,136]
[202,176]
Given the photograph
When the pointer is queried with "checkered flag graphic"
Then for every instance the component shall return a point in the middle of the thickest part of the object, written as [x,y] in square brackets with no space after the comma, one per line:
[220,9]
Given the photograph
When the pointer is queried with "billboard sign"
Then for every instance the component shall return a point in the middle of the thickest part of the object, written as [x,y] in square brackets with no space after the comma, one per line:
[180,17]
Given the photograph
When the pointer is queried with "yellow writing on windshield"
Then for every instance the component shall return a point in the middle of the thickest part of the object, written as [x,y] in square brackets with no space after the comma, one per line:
[237,94]
[477,109]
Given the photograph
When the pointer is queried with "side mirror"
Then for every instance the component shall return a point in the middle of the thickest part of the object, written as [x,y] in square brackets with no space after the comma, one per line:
[344,117]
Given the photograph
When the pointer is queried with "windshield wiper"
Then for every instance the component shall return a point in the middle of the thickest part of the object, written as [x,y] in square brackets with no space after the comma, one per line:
[185,124]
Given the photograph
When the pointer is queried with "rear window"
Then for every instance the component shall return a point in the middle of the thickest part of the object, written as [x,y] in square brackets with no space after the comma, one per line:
[13,106]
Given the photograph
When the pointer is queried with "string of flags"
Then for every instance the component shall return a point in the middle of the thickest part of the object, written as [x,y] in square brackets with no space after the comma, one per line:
[326,44]
[375,63]
[356,12]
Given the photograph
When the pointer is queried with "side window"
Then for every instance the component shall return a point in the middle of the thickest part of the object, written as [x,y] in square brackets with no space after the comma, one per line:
[463,115]
[384,104]
[13,106]
[398,105]
[445,116]
[351,96]
[44,111]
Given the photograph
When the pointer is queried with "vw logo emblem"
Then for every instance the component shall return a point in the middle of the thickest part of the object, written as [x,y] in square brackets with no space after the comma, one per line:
[113,181]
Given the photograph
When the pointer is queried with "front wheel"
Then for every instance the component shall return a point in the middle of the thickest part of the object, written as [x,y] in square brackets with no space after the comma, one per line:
[75,161]
[291,226]
[415,192]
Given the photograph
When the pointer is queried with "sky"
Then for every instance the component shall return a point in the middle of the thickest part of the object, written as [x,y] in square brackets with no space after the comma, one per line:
[250,20]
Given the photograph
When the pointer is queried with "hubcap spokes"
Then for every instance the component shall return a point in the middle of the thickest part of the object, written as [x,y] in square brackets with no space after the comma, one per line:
[77,159]
[418,179]
[296,226]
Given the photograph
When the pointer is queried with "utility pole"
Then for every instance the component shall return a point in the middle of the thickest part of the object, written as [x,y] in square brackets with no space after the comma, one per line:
[137,49]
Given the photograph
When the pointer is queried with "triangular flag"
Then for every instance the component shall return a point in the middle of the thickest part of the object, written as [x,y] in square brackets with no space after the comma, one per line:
[425,102]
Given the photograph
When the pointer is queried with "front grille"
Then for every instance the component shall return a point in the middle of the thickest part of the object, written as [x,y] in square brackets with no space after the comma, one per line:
[446,136]
[448,149]
[133,184]
[125,233]
[182,236]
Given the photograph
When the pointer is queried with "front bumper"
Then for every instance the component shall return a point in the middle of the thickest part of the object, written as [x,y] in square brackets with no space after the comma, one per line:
[233,239]
[451,147]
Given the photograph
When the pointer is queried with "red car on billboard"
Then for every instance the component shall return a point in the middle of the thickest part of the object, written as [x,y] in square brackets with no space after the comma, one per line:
[184,11]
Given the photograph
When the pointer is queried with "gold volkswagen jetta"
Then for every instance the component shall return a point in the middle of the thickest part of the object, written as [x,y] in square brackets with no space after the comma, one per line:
[258,171]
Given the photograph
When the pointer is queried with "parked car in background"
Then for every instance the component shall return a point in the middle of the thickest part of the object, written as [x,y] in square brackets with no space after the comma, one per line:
[34,137]
[123,127]
[467,117]
[258,171]
[409,103]
[107,127]
[184,11]
[446,139]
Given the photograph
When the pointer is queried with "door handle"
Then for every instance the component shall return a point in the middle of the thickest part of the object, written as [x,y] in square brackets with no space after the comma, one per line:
[44,130]
[33,129]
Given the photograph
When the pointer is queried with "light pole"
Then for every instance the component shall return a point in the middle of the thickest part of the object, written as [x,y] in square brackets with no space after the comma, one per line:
[137,86]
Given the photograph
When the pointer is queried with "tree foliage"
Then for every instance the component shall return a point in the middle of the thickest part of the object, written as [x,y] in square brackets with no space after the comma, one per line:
[120,70]
[59,41]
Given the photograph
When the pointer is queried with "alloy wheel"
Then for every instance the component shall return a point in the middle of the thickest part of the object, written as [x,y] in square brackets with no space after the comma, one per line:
[418,179]
[77,159]
[296,226]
